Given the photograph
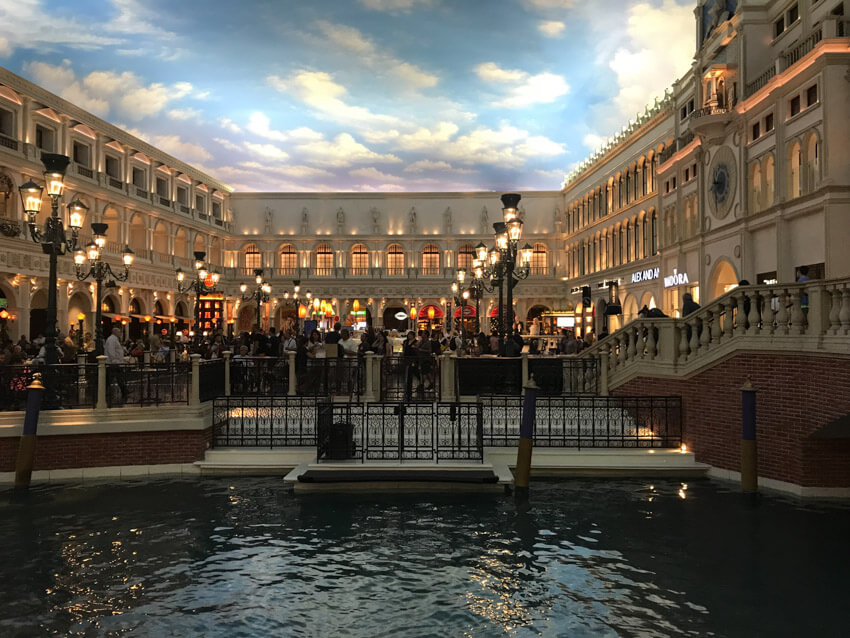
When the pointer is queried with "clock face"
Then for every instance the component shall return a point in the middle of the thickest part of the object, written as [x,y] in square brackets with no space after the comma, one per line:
[720,184]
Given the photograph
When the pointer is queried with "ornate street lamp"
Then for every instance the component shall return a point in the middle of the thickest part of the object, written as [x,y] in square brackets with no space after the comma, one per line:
[204,283]
[51,236]
[98,269]
[261,294]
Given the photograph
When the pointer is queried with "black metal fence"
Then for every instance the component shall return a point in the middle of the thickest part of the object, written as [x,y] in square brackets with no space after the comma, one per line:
[264,422]
[410,379]
[153,384]
[432,432]
[503,376]
[587,421]
[73,385]
[330,377]
[258,375]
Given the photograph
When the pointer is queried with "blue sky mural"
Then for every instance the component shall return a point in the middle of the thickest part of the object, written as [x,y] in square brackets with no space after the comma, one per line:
[359,95]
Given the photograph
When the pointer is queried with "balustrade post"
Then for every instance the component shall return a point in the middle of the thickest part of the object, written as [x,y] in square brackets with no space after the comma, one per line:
[693,343]
[101,383]
[816,320]
[370,377]
[603,371]
[447,374]
[81,378]
[844,314]
[226,355]
[683,340]
[195,391]
[768,315]
[835,311]
[651,343]
[782,313]
[728,319]
[293,379]
[754,318]
[740,315]
[705,332]
[633,335]
[668,343]
[613,359]
[798,319]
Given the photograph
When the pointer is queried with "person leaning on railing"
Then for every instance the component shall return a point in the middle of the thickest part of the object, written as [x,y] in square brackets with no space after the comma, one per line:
[114,352]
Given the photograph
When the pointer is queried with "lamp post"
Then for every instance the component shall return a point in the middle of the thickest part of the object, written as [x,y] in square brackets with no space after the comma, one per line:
[203,283]
[98,269]
[292,299]
[52,237]
[261,294]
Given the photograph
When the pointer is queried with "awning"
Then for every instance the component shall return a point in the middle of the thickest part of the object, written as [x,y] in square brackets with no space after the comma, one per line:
[426,312]
[494,311]
[468,311]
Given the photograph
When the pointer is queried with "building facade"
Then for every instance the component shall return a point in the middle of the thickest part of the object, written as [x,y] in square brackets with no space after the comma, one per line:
[741,172]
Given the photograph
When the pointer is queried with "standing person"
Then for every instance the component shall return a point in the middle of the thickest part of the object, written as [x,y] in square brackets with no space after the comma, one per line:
[409,353]
[804,298]
[290,344]
[114,352]
[688,304]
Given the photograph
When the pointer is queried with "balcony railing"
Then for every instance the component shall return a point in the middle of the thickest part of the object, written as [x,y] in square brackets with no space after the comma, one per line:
[164,201]
[116,183]
[323,272]
[794,54]
[141,192]
[8,142]
[359,272]
[394,272]
[85,172]
[184,209]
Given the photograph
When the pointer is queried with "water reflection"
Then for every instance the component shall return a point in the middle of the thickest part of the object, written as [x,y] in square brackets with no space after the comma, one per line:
[240,557]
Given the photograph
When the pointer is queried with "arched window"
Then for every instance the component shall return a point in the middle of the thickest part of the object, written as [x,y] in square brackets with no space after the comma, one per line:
[288,260]
[431,260]
[769,170]
[465,255]
[811,172]
[644,236]
[252,258]
[324,260]
[539,259]
[395,260]
[795,160]
[359,260]
[654,231]
[644,178]
[755,187]
[581,259]
[620,247]
[628,253]
[628,184]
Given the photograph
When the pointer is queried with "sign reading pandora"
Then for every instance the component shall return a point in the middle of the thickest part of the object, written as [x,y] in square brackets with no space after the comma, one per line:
[676,279]
[644,275]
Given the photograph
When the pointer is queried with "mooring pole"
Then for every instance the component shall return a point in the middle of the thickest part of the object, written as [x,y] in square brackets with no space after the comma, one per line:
[522,473]
[26,449]
[749,452]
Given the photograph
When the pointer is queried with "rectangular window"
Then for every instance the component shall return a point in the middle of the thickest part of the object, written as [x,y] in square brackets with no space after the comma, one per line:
[674,182]
[161,187]
[690,106]
[216,210]
[139,178]
[794,106]
[7,123]
[756,131]
[182,196]
[793,14]
[200,205]
[113,167]
[45,138]
[82,154]
[778,27]
[812,95]
[694,170]
[687,174]
[768,122]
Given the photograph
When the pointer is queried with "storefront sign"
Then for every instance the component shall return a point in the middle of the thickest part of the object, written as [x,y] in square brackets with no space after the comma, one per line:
[401,316]
[645,275]
[676,279]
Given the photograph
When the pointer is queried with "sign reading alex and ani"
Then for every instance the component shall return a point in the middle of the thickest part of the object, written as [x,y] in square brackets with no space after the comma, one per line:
[645,275]
[676,279]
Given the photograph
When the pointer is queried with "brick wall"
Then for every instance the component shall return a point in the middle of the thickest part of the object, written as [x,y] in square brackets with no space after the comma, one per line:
[797,395]
[99,450]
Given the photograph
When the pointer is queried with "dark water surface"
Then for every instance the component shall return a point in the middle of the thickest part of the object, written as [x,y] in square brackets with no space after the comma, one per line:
[241,557]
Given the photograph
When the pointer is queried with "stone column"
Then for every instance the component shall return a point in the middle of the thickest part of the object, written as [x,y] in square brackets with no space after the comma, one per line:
[101,383]
[195,392]
[226,354]
[293,379]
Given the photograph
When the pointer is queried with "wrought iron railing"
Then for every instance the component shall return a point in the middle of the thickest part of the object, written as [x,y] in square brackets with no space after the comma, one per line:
[154,384]
[267,376]
[8,142]
[261,421]
[488,375]
[333,376]
[75,385]
[586,421]
[210,379]
[410,378]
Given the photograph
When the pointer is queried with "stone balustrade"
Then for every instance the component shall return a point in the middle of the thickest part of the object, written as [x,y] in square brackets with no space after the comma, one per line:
[812,316]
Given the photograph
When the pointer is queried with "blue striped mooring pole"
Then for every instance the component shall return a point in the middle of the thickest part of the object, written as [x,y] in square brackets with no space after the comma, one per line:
[26,449]
[749,452]
[522,473]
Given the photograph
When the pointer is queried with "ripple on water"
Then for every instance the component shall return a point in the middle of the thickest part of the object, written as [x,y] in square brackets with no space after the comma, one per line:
[238,557]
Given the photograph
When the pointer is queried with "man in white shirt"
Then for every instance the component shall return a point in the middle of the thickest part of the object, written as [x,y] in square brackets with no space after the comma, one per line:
[349,345]
[114,352]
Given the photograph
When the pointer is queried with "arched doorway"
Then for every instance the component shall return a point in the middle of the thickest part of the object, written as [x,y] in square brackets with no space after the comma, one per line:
[647,300]
[137,328]
[286,317]
[8,314]
[430,317]
[79,305]
[630,309]
[534,318]
[723,279]
[247,318]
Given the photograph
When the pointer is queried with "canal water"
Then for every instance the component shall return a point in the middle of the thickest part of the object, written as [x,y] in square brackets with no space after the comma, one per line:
[241,557]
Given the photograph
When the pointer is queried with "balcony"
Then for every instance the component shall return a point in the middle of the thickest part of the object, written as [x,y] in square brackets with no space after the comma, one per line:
[185,209]
[141,192]
[710,122]
[164,201]
[8,142]
[115,183]
[10,227]
[85,172]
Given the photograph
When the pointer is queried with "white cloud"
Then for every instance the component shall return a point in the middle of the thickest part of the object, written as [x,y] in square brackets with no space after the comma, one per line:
[551,28]
[229,125]
[107,92]
[527,89]
[593,141]
[290,170]
[368,54]
[424,166]
[173,145]
[184,114]
[269,151]
[5,47]
[135,18]
[318,90]
[394,6]
[380,188]
[424,138]
[374,174]
[230,146]
[549,4]
[343,150]
[259,124]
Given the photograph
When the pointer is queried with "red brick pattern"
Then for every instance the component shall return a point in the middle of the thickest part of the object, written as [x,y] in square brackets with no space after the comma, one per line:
[99,450]
[797,395]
